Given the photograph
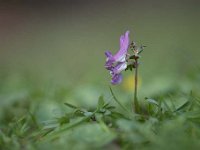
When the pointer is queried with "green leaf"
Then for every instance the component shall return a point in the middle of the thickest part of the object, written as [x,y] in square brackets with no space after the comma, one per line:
[183,106]
[152,101]
[63,120]
[101,102]
[70,105]
[129,67]
[110,107]
[67,127]
[106,105]
[167,106]
[132,57]
[117,115]
[88,114]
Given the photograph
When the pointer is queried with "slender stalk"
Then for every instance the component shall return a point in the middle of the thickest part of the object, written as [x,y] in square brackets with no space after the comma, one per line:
[136,105]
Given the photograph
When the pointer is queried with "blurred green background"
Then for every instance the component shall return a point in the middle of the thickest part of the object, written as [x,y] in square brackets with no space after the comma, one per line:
[52,52]
[64,41]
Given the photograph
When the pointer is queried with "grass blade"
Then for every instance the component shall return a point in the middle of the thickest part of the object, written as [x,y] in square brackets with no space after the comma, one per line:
[118,102]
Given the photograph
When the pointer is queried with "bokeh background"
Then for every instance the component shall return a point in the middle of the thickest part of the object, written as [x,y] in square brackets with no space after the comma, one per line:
[64,41]
[52,52]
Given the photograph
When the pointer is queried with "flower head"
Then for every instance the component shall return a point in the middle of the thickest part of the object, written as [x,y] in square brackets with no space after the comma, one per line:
[117,63]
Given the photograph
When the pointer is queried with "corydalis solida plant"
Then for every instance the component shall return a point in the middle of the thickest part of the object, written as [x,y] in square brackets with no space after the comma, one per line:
[122,60]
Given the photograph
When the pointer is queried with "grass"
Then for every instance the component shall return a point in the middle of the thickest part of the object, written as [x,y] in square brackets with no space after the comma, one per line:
[41,116]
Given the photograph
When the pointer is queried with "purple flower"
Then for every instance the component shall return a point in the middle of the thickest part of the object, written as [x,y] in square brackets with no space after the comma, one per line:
[117,63]
[116,79]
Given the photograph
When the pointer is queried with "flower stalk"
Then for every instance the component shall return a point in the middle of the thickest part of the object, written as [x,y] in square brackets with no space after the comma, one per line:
[135,57]
[136,104]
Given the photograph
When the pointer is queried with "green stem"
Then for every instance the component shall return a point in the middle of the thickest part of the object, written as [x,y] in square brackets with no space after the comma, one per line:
[136,105]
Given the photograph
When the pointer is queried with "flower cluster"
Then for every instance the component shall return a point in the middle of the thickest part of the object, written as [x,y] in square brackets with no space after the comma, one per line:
[117,63]
[122,60]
